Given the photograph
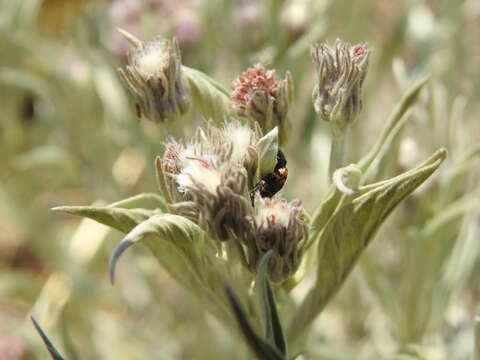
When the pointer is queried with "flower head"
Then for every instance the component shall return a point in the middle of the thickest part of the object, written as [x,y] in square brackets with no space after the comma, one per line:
[208,178]
[278,226]
[259,95]
[341,70]
[154,77]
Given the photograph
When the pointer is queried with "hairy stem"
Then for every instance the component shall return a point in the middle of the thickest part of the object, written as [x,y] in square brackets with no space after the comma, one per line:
[336,152]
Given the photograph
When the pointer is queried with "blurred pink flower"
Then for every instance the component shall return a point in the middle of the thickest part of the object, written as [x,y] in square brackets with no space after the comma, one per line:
[187,27]
[12,348]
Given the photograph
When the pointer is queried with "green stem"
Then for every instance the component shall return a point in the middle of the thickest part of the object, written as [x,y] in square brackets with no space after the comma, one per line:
[336,152]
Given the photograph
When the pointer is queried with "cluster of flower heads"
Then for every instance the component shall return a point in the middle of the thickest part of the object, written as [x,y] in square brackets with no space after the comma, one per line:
[209,180]
[215,179]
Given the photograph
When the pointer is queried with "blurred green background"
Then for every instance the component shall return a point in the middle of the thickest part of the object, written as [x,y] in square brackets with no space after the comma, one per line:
[69,136]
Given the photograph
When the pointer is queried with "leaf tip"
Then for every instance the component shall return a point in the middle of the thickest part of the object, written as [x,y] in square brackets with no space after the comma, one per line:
[442,153]
[67,209]
[119,250]
[129,37]
[48,344]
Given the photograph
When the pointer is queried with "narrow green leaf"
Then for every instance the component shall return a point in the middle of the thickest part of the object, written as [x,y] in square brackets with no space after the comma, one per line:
[273,327]
[260,347]
[393,125]
[262,283]
[349,231]
[387,150]
[208,96]
[142,201]
[54,353]
[123,220]
[323,213]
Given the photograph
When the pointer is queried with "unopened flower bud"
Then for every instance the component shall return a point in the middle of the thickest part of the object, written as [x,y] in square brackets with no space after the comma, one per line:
[154,77]
[260,96]
[341,70]
[279,227]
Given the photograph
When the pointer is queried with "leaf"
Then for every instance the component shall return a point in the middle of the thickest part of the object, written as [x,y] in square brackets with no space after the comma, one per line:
[208,96]
[122,215]
[144,201]
[262,348]
[348,232]
[323,213]
[182,248]
[123,220]
[393,126]
[173,229]
[267,149]
[50,347]
[273,327]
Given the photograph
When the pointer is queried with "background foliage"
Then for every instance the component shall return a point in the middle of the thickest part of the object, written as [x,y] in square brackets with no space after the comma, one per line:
[69,135]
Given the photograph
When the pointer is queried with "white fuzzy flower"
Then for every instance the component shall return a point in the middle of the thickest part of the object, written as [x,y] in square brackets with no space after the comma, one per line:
[152,59]
[207,179]
[203,162]
[278,226]
[154,77]
[199,171]
[241,136]
[272,212]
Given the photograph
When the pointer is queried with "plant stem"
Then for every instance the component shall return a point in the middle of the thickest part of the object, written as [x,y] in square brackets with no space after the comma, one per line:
[336,152]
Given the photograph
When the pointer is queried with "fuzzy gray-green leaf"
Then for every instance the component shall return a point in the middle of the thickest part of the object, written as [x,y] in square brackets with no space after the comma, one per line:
[273,327]
[122,215]
[121,219]
[393,126]
[348,232]
[181,247]
[143,201]
[172,229]
[54,353]
[208,96]
[262,349]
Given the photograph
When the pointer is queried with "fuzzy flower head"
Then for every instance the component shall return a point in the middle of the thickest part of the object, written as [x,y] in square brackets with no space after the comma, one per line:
[262,97]
[154,77]
[208,178]
[341,70]
[278,226]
